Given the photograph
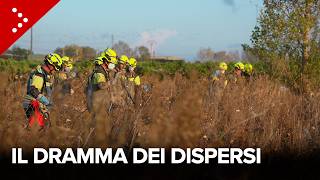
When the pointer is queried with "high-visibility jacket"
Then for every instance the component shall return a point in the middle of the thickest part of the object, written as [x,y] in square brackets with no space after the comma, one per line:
[132,77]
[98,80]
[100,77]
[136,80]
[218,76]
[39,82]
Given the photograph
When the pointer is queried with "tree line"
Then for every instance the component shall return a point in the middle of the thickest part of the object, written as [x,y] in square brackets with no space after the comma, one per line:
[83,52]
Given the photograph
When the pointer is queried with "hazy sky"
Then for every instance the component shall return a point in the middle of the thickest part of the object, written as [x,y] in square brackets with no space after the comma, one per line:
[180,27]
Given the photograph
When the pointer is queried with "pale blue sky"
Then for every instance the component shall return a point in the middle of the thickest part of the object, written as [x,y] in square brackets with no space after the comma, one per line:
[180,27]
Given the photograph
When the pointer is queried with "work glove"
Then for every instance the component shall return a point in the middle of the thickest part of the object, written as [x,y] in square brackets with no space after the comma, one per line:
[43,100]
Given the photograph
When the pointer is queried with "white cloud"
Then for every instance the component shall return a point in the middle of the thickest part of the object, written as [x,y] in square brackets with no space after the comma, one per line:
[158,37]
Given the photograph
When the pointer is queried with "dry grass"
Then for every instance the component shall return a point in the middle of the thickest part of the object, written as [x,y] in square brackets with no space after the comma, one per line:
[179,112]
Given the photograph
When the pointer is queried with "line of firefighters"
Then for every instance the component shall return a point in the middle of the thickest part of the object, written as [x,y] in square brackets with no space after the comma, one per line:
[240,71]
[111,90]
[110,70]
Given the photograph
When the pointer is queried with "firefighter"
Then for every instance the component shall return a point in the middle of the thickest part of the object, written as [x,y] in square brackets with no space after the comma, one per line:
[67,67]
[248,71]
[66,74]
[238,72]
[131,74]
[133,84]
[219,75]
[39,90]
[99,101]
[121,101]
[217,87]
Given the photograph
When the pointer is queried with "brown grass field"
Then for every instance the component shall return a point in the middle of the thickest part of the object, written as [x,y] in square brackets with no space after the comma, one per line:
[178,112]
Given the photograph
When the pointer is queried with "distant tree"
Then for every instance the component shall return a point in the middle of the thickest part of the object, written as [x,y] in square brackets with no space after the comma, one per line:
[285,29]
[220,56]
[234,56]
[122,48]
[72,51]
[205,54]
[20,53]
[142,53]
[77,52]
[8,52]
[59,50]
[88,52]
[247,54]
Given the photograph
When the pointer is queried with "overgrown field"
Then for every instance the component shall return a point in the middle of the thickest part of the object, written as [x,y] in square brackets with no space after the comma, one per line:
[179,111]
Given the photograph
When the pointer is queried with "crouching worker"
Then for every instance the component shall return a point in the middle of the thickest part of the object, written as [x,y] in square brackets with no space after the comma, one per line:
[39,85]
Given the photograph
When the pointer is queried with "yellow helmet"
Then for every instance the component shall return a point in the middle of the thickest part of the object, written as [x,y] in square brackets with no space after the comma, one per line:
[223,66]
[239,65]
[67,62]
[133,62]
[110,55]
[248,68]
[65,59]
[99,60]
[123,59]
[55,60]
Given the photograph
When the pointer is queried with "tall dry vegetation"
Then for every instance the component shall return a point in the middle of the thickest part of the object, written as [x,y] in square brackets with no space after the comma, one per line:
[178,112]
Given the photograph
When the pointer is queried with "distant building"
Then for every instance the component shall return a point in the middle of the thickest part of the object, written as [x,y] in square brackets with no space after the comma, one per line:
[167,59]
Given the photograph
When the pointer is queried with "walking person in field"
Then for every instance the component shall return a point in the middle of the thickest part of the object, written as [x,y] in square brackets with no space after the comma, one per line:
[121,104]
[217,87]
[99,94]
[219,76]
[218,80]
[133,84]
[39,90]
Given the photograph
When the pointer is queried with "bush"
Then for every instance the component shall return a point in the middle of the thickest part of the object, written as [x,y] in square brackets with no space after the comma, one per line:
[287,72]
[13,66]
